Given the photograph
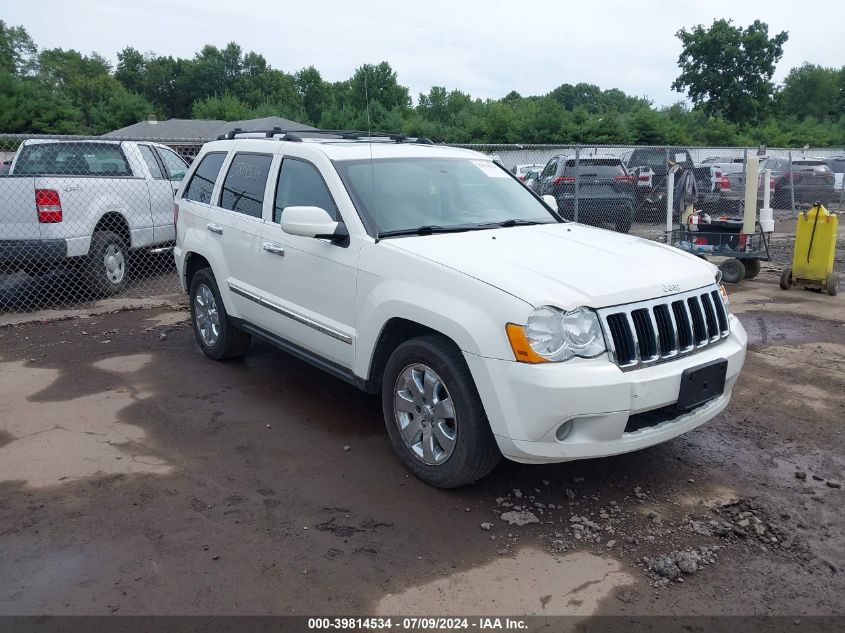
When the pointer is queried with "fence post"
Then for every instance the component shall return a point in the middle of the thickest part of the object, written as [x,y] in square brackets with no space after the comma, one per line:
[670,199]
[792,186]
[577,180]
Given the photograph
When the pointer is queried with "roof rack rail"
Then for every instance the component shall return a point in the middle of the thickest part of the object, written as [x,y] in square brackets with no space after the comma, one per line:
[297,136]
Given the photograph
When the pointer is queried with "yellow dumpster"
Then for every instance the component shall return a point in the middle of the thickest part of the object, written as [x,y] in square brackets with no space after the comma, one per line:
[815,246]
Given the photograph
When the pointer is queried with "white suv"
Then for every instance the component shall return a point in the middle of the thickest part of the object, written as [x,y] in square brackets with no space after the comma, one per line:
[431,275]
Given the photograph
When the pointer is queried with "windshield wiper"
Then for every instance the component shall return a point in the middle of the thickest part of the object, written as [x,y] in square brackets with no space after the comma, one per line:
[515,222]
[426,229]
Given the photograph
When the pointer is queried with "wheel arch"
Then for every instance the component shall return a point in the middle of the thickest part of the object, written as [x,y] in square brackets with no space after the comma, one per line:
[193,263]
[115,222]
[394,332]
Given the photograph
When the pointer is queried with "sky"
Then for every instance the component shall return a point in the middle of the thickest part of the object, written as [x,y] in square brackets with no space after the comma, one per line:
[486,48]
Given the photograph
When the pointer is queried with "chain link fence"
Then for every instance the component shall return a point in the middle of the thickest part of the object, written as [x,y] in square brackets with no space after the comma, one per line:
[82,218]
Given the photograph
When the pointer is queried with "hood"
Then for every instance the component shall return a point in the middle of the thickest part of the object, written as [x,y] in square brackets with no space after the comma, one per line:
[566,265]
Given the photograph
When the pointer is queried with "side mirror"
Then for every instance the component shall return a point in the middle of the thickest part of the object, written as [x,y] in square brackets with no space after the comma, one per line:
[551,202]
[312,222]
[178,176]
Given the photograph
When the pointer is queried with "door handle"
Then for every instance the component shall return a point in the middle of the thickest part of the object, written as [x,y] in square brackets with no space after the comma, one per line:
[273,248]
[214,228]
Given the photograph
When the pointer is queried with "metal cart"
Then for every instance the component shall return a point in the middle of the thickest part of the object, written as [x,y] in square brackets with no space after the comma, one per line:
[744,252]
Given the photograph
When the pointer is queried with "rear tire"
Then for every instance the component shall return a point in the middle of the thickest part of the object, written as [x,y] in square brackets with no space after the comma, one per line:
[752,268]
[216,335]
[105,266]
[831,284]
[786,279]
[733,270]
[421,374]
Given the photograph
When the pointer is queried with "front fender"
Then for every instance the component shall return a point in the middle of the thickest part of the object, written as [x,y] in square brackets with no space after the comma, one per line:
[470,312]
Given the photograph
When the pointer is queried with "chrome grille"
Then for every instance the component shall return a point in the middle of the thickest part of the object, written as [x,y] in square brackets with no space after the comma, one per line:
[648,332]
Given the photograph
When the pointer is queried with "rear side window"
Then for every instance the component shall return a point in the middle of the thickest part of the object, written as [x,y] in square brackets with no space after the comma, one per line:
[72,159]
[837,166]
[243,189]
[150,160]
[301,185]
[202,182]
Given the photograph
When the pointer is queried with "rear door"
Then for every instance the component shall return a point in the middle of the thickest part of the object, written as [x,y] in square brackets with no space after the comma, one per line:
[161,196]
[174,171]
[236,221]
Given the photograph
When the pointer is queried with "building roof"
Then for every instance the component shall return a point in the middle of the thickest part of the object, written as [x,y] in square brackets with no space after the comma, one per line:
[200,129]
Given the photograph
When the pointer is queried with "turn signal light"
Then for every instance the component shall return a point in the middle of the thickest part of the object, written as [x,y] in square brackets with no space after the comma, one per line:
[519,344]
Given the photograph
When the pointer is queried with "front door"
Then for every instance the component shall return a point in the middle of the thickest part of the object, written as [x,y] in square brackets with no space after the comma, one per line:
[308,283]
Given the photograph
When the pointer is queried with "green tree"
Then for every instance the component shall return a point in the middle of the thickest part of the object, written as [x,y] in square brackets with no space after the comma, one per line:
[224,108]
[17,50]
[314,93]
[812,90]
[727,70]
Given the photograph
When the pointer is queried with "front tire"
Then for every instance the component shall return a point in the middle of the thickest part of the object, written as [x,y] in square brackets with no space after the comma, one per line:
[752,268]
[105,266]
[733,270]
[786,279]
[831,284]
[434,415]
[216,335]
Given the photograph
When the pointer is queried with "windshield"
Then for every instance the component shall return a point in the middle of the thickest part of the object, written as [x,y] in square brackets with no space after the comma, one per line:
[403,194]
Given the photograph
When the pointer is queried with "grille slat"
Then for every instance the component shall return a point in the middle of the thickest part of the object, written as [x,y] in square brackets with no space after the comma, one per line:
[653,331]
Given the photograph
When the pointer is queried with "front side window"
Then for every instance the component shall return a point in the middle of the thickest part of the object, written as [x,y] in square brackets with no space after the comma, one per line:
[243,189]
[549,169]
[300,185]
[150,160]
[202,182]
[175,166]
[405,194]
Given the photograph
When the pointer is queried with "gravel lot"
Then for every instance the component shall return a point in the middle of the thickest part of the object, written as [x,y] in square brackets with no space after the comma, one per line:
[138,478]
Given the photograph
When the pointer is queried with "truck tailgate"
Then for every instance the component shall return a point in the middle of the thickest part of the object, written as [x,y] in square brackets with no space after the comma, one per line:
[18,218]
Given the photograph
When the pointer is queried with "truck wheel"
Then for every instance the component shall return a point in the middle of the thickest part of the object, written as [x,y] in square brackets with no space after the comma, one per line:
[752,268]
[434,416]
[217,336]
[831,284]
[733,270]
[105,266]
[786,279]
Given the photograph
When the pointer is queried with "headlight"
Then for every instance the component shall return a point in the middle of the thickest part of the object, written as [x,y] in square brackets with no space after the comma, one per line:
[554,335]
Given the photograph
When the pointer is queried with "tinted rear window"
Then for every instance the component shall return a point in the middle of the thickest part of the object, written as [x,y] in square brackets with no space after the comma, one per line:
[72,159]
[598,168]
[837,166]
[202,182]
[243,189]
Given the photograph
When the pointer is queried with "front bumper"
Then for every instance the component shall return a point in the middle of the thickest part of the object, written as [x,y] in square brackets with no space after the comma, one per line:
[526,404]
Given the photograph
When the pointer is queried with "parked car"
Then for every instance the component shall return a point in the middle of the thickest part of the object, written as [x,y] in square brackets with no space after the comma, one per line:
[810,179]
[712,160]
[430,275]
[837,166]
[650,166]
[521,171]
[605,189]
[730,182]
[86,204]
[531,177]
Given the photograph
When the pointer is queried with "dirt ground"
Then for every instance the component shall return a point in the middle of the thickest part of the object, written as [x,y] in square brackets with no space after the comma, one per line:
[136,477]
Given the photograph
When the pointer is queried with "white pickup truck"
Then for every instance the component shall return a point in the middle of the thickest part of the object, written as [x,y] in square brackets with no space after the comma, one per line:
[86,203]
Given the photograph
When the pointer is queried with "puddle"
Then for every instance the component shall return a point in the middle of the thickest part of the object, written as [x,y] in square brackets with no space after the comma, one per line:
[59,442]
[532,582]
[766,329]
[168,318]
[124,364]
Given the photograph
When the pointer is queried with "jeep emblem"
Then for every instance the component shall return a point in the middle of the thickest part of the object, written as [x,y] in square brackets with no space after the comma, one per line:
[667,288]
